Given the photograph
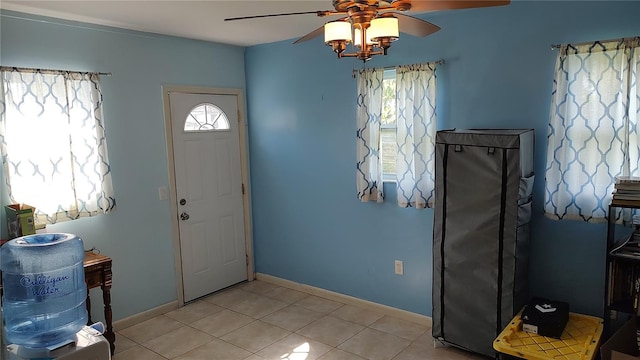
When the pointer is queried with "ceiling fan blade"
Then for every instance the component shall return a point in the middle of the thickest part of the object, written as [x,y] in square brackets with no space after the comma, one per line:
[414,26]
[320,13]
[434,5]
[317,32]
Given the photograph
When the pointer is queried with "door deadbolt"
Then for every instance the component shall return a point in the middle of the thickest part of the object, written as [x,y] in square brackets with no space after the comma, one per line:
[183,201]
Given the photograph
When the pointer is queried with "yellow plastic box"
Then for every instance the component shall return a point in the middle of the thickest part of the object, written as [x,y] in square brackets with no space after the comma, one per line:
[579,340]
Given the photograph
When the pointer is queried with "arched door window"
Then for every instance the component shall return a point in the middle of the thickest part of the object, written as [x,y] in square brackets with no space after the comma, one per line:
[206,117]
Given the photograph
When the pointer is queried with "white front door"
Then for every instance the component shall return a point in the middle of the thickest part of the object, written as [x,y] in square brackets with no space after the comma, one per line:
[208,191]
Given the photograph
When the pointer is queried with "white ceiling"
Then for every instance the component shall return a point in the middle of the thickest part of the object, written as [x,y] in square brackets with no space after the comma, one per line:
[202,20]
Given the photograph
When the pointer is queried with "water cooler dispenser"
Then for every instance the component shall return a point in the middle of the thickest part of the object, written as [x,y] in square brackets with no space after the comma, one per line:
[44,300]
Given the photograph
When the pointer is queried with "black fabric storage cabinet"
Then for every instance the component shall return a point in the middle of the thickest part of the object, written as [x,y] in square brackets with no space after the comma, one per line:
[484,180]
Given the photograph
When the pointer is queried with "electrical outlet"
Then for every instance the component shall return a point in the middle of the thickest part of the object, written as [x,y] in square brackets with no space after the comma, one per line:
[399,267]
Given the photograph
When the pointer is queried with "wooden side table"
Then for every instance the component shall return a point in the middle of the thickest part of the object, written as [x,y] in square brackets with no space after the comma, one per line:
[97,272]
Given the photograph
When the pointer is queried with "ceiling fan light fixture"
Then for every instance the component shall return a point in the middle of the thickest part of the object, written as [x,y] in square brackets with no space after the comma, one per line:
[337,31]
[384,27]
[357,37]
[376,23]
[337,34]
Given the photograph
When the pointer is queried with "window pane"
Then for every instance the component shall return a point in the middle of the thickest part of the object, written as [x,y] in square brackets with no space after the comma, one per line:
[206,117]
[389,150]
[388,102]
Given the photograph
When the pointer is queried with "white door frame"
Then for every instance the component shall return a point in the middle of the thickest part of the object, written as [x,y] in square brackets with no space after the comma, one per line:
[244,166]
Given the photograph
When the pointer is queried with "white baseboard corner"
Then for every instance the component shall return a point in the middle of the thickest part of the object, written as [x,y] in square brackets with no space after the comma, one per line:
[346,299]
[144,316]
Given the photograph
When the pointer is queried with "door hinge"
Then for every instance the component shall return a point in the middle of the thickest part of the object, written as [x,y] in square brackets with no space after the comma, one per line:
[243,189]
[247,258]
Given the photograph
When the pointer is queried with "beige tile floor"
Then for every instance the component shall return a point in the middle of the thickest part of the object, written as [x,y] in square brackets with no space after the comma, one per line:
[261,321]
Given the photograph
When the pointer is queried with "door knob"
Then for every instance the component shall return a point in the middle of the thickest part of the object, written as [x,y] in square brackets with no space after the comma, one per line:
[184,216]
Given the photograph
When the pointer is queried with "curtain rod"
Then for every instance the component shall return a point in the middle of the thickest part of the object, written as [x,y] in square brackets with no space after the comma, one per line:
[558,46]
[13,68]
[437,62]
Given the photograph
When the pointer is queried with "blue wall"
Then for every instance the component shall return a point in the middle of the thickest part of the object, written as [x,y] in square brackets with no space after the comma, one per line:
[138,234]
[308,225]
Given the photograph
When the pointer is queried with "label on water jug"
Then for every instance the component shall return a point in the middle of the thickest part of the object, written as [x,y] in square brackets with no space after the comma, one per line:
[41,285]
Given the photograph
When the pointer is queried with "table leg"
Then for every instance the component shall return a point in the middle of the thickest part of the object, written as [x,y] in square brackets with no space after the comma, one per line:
[89,308]
[109,334]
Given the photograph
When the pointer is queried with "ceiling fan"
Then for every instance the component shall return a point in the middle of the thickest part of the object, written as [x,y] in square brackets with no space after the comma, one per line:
[376,23]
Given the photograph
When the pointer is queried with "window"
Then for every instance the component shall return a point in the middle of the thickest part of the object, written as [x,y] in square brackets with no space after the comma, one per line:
[593,127]
[388,144]
[206,117]
[53,142]
[396,126]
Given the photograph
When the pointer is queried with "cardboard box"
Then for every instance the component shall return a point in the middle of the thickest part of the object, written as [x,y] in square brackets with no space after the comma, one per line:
[20,220]
[622,345]
[545,317]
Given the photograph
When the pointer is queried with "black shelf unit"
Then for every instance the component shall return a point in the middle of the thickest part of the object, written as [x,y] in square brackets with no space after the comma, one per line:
[622,271]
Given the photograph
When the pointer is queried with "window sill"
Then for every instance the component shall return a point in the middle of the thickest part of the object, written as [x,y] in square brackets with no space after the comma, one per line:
[389,179]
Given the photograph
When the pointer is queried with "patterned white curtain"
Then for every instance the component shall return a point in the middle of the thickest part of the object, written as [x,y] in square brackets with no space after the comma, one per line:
[416,129]
[593,127]
[368,113]
[52,141]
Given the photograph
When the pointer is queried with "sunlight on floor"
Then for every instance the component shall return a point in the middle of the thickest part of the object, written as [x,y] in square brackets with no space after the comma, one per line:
[299,353]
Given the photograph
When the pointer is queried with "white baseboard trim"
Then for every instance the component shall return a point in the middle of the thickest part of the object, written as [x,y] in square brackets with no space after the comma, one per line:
[346,299]
[144,316]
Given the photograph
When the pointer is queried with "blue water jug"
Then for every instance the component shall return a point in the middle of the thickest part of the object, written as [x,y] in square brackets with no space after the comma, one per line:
[44,290]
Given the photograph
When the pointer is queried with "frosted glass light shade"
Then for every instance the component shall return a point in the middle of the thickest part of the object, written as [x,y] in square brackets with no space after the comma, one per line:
[337,30]
[357,38]
[386,27]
